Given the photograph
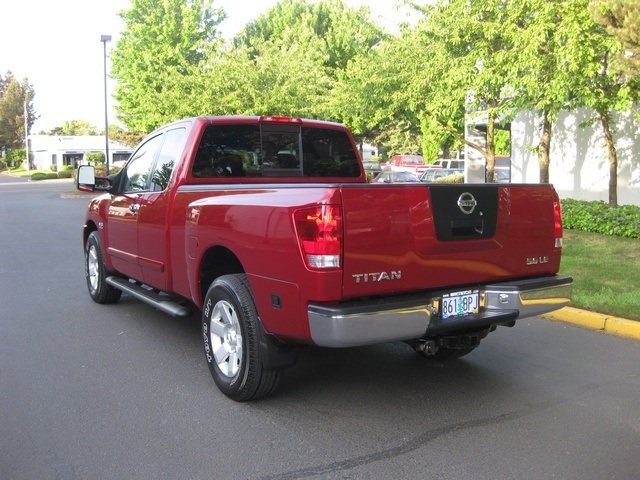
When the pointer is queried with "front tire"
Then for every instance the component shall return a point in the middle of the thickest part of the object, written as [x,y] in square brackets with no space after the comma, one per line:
[96,272]
[231,336]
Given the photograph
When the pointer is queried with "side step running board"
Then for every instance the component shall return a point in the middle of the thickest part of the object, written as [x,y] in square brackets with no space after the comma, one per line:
[164,303]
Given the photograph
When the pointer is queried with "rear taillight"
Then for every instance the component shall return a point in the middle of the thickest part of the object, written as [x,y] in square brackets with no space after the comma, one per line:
[319,232]
[557,220]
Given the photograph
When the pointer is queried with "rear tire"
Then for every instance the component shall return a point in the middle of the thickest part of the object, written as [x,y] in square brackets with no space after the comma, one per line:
[96,272]
[231,336]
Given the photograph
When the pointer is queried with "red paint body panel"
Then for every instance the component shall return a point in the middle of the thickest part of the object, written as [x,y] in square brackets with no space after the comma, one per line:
[393,231]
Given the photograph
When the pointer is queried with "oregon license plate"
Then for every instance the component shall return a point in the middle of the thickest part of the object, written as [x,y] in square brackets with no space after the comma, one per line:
[460,303]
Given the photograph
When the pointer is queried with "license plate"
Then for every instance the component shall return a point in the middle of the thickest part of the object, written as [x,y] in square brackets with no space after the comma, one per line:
[460,303]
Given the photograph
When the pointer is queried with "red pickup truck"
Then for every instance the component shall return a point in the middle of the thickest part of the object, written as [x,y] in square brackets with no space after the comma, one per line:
[268,227]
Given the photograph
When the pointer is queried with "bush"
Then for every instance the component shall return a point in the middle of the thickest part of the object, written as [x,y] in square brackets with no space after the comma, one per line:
[455,178]
[53,167]
[598,217]
[65,173]
[44,176]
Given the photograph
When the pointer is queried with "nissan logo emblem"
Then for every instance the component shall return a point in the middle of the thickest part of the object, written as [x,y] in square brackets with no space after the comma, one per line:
[467,203]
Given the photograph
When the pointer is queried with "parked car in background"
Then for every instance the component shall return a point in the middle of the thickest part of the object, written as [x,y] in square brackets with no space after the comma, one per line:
[406,163]
[395,177]
[450,163]
[436,173]
[502,170]
[372,167]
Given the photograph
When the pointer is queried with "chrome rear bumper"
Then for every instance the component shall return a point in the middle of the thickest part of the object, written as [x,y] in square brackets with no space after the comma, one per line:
[417,316]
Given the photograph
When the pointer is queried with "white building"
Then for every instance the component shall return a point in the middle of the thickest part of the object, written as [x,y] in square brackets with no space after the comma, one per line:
[579,161]
[47,150]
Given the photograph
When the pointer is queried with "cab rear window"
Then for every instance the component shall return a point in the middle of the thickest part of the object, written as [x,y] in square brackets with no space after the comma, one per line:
[271,150]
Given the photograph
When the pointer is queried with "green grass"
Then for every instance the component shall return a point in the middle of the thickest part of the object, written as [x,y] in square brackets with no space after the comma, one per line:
[21,172]
[605,271]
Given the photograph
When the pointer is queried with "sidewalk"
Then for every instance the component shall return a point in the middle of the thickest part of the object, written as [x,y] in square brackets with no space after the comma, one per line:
[597,321]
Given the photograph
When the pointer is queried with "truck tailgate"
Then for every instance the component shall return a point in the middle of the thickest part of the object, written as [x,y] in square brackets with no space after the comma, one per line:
[408,237]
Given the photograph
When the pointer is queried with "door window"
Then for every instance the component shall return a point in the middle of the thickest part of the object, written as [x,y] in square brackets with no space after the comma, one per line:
[171,148]
[137,176]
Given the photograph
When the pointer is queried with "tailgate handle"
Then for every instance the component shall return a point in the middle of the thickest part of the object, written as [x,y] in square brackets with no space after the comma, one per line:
[467,228]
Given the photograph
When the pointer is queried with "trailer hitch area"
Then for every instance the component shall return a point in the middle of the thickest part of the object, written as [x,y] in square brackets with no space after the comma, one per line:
[429,346]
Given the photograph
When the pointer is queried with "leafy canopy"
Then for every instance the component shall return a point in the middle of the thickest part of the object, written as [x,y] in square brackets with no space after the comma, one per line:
[161,60]
[14,96]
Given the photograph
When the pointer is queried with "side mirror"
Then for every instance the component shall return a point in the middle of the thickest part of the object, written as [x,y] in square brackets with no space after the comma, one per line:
[86,179]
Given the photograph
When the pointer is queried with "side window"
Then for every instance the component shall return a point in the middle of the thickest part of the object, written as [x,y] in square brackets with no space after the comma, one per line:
[167,158]
[138,172]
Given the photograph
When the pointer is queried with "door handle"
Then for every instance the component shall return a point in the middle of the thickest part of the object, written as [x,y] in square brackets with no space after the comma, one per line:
[134,207]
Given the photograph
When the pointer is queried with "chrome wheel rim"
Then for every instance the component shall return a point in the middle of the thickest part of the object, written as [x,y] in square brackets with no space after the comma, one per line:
[225,336]
[93,268]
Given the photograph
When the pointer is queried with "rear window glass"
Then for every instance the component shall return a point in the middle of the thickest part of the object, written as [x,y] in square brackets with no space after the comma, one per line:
[410,159]
[269,150]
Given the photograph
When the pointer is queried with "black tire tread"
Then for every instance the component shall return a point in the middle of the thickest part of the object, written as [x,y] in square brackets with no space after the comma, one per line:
[105,293]
[259,382]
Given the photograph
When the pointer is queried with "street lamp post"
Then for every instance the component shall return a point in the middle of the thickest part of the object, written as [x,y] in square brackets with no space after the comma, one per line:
[104,39]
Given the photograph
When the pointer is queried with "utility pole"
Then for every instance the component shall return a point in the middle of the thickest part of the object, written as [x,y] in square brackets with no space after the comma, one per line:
[104,39]
[26,134]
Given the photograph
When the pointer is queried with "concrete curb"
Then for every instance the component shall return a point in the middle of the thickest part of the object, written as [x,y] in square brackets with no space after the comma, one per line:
[597,321]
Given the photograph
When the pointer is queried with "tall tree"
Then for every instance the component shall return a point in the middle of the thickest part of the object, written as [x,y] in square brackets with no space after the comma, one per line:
[344,33]
[14,96]
[75,128]
[275,78]
[605,86]
[458,59]
[289,60]
[622,20]
[551,54]
[607,93]
[161,59]
[370,96]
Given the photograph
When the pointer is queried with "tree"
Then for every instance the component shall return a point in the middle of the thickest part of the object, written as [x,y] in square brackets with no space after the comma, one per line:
[552,53]
[616,83]
[602,83]
[161,59]
[606,93]
[125,137]
[457,59]
[622,20]
[343,33]
[281,79]
[75,128]
[288,61]
[16,99]
[95,158]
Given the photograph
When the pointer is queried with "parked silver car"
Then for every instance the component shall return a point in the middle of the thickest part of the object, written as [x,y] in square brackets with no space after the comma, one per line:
[436,173]
[395,177]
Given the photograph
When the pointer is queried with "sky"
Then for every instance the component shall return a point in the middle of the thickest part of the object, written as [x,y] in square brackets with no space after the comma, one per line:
[56,45]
